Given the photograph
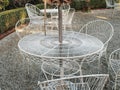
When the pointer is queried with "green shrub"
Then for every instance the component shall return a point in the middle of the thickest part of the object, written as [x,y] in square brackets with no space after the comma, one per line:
[21,3]
[3,4]
[78,5]
[41,6]
[9,18]
[97,4]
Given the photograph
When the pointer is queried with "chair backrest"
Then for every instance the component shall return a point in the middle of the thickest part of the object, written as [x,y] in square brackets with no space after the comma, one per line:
[69,18]
[110,3]
[101,29]
[85,82]
[65,11]
[114,59]
[66,15]
[54,16]
[66,7]
[33,11]
[23,27]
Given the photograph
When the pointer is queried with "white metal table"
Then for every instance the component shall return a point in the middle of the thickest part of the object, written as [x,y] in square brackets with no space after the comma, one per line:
[75,45]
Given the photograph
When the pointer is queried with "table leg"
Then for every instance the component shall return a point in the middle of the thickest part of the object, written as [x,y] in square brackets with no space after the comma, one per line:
[61,68]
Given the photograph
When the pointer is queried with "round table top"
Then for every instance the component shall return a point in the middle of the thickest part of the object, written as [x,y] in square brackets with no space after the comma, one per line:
[49,10]
[74,45]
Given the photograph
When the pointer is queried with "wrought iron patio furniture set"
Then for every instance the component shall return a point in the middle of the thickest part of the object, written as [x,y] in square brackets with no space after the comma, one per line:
[68,61]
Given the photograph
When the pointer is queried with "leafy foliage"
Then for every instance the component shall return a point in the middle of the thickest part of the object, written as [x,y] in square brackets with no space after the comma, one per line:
[10,17]
[81,4]
[3,4]
[97,4]
[21,3]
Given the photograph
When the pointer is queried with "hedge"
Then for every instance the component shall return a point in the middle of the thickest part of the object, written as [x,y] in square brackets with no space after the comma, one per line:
[97,4]
[9,18]
[80,4]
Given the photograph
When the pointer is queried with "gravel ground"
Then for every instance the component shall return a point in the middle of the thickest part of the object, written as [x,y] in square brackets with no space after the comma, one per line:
[13,72]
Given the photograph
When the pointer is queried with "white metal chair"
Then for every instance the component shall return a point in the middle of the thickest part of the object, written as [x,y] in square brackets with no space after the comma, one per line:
[67,15]
[66,8]
[109,3]
[23,27]
[84,82]
[116,8]
[34,12]
[113,4]
[67,21]
[102,30]
[53,20]
[114,64]
[54,17]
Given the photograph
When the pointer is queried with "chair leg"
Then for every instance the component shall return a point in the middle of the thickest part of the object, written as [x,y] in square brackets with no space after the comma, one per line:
[106,59]
[28,66]
[112,13]
[115,83]
[99,62]
[25,58]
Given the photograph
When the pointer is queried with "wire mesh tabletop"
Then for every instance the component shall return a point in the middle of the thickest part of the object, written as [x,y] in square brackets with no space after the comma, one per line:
[74,45]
